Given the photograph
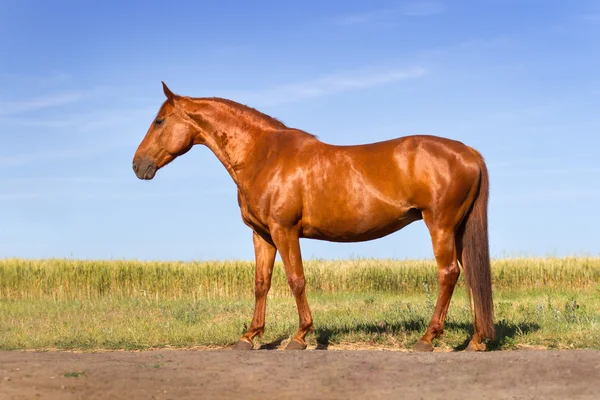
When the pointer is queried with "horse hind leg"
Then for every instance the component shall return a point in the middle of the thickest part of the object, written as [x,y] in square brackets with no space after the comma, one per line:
[444,246]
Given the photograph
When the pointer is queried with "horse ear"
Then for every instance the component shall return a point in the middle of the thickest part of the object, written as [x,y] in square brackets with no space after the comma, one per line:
[170,95]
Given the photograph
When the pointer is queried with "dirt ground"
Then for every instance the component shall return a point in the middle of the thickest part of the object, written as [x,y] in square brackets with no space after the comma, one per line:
[312,374]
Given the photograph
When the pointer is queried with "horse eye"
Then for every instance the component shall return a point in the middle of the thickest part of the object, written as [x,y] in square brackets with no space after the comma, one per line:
[158,121]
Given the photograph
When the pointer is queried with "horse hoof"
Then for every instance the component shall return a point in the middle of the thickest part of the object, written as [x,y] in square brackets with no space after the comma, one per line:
[294,345]
[475,346]
[423,347]
[243,345]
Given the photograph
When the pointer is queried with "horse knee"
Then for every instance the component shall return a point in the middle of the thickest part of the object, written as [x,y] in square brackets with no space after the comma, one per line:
[297,284]
[261,287]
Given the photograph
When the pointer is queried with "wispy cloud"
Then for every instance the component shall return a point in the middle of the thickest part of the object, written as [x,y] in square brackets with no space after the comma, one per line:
[8,108]
[590,17]
[549,172]
[522,114]
[84,121]
[330,84]
[112,195]
[17,196]
[422,8]
[119,129]
[32,181]
[545,196]
[51,79]
[520,164]
[46,156]
[410,9]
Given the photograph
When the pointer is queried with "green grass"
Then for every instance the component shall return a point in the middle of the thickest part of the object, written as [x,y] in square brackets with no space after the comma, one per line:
[70,304]
[74,374]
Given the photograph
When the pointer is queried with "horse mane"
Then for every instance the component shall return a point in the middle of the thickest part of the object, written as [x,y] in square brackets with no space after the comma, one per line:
[253,113]
[249,111]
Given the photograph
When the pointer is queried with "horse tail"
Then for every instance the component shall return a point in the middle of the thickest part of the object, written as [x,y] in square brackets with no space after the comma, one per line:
[476,257]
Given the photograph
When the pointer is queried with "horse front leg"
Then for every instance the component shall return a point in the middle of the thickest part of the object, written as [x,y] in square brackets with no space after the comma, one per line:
[265,258]
[287,242]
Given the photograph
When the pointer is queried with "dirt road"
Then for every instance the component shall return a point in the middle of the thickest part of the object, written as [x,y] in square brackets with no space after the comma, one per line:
[226,374]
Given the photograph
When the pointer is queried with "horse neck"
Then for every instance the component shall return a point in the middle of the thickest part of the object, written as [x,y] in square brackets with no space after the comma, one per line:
[234,133]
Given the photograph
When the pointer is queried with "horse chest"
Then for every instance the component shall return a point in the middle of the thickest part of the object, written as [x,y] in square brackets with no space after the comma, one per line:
[250,217]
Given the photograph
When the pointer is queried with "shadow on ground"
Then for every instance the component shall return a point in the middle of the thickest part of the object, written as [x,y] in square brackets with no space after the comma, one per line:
[505,331]
[274,345]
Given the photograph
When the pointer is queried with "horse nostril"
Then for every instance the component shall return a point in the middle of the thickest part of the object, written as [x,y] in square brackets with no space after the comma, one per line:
[135,169]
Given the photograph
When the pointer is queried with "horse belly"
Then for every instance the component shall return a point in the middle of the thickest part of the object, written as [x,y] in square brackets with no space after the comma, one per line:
[346,226]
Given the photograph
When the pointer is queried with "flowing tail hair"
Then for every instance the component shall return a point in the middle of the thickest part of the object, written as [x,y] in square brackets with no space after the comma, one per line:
[476,257]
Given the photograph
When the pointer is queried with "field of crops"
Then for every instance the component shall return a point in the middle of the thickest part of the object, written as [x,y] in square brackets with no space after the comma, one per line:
[549,302]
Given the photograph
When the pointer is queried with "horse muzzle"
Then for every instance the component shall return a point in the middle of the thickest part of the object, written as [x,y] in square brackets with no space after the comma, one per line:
[144,169]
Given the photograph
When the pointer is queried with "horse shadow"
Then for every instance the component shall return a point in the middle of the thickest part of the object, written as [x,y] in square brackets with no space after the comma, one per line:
[505,331]
[273,345]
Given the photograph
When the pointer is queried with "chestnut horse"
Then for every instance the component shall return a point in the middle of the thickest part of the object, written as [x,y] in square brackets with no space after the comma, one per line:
[292,186]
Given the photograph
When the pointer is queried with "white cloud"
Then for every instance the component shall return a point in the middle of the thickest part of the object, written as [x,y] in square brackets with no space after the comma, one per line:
[330,84]
[365,17]
[422,8]
[20,106]
[78,123]
[45,156]
[591,17]
[549,172]
[522,163]
[118,129]
[544,197]
[51,79]
[216,191]
[18,196]
[410,9]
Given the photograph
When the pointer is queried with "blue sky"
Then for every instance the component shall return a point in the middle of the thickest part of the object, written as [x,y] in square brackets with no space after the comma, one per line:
[80,84]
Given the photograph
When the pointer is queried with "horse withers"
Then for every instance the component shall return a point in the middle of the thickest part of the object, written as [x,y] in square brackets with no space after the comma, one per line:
[292,186]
